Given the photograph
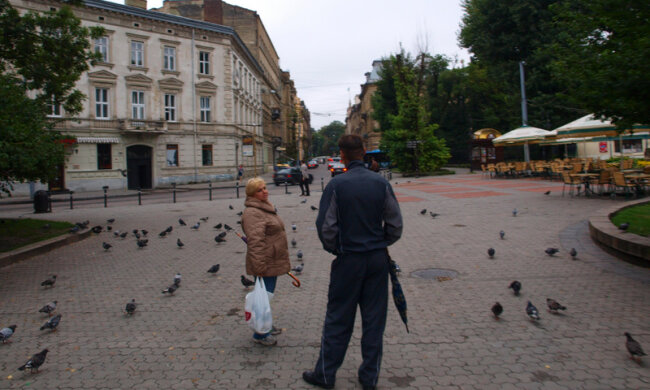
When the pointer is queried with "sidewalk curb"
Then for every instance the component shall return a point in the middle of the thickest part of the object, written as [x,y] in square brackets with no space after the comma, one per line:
[603,231]
[40,247]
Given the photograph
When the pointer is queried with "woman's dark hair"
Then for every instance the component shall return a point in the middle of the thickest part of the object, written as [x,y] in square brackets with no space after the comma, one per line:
[352,146]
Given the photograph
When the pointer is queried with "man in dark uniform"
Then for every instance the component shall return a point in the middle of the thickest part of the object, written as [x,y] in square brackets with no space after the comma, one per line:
[358,219]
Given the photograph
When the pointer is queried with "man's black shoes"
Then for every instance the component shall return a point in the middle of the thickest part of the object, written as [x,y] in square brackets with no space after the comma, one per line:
[310,377]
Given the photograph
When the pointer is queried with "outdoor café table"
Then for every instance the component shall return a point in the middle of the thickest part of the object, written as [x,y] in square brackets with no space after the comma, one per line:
[631,170]
[638,178]
[585,179]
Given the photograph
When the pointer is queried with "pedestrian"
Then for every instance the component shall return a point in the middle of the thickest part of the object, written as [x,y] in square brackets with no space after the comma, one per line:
[374,165]
[358,218]
[240,173]
[267,254]
[304,178]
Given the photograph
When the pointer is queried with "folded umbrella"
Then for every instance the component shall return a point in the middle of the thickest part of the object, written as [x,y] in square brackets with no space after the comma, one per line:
[398,293]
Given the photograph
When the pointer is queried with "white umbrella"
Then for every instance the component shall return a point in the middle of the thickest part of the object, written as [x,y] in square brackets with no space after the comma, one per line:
[522,136]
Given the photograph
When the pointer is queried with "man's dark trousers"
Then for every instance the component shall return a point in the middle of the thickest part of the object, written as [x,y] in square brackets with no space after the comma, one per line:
[355,278]
[304,187]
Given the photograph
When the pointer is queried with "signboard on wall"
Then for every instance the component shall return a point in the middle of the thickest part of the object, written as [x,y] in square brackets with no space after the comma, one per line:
[602,147]
[247,146]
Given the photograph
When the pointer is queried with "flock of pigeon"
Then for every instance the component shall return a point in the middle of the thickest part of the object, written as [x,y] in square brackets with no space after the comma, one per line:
[632,346]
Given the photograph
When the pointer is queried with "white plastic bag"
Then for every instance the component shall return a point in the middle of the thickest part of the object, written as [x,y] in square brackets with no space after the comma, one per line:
[258,309]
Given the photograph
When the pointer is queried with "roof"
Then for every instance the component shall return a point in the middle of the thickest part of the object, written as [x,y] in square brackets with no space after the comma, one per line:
[174,19]
[524,133]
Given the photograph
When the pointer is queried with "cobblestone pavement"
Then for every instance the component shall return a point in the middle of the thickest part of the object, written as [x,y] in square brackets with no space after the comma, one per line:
[198,339]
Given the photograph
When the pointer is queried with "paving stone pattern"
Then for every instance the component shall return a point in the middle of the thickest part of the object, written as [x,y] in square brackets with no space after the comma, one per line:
[197,338]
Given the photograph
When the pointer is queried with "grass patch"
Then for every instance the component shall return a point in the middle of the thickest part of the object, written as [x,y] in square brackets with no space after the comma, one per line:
[637,216]
[15,233]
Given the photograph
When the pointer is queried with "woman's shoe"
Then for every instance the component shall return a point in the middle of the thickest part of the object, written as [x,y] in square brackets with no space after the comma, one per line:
[268,341]
[276,331]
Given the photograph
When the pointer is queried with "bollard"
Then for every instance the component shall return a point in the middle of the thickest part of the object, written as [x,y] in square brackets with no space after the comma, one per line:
[322,184]
[174,192]
[49,201]
[71,205]
[237,189]
[286,187]
[210,189]
[139,196]
[390,175]
[105,188]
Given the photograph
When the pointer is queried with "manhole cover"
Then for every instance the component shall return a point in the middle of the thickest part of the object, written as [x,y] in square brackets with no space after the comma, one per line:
[438,274]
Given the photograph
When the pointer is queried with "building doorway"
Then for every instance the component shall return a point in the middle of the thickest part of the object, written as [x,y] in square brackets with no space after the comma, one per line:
[138,166]
[57,184]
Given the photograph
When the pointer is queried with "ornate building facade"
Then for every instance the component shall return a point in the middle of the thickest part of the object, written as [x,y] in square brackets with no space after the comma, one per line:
[359,115]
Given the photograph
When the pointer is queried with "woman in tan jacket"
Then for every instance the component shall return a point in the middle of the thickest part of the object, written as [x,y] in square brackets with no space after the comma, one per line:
[267,255]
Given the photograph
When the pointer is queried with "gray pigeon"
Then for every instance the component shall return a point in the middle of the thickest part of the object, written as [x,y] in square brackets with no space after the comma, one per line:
[225,226]
[432,214]
[247,282]
[633,347]
[491,252]
[219,239]
[49,282]
[298,269]
[106,246]
[514,212]
[204,219]
[170,290]
[304,200]
[423,211]
[35,362]
[314,208]
[230,207]
[196,226]
[162,234]
[179,243]
[497,309]
[177,279]
[502,234]
[6,333]
[553,305]
[299,254]
[624,226]
[181,222]
[214,269]
[52,323]
[142,243]
[573,253]
[293,242]
[515,286]
[218,226]
[551,251]
[49,308]
[130,307]
[293,227]
[532,312]
[110,220]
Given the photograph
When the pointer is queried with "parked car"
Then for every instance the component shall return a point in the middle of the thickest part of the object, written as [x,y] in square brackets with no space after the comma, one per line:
[289,175]
[312,164]
[337,168]
[332,160]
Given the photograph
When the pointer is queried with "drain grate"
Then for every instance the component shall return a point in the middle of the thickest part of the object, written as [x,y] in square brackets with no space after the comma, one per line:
[438,274]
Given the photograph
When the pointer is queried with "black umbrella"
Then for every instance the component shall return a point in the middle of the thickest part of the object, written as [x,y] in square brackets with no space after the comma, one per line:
[398,293]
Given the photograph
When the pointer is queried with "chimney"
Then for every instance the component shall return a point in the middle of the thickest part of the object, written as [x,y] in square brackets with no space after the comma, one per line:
[136,3]
[213,11]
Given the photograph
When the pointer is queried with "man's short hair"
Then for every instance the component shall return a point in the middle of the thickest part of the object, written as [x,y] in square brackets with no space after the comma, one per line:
[352,146]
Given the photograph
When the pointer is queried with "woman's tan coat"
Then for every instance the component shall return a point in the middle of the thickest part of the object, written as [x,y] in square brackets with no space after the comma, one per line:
[268,252]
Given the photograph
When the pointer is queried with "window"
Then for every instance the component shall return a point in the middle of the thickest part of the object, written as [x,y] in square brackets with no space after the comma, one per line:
[204,62]
[205,108]
[170,107]
[101,46]
[169,58]
[629,146]
[172,155]
[54,109]
[207,154]
[101,103]
[104,156]
[137,104]
[137,53]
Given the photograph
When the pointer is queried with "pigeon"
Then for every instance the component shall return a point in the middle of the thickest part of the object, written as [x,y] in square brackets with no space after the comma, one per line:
[109,228]
[514,212]
[551,251]
[135,231]
[130,307]
[169,229]
[180,221]
[624,226]
[314,208]
[74,229]
[573,253]
[116,233]
[144,232]
[246,282]
[502,234]
[299,254]
[6,333]
[35,362]
[142,243]
[97,229]
[553,305]
[423,211]
[633,347]
[177,279]
[222,234]
[110,220]
[515,286]
[49,282]
[170,290]
[196,226]
[52,323]
[497,309]
[230,207]
[49,308]
[214,269]
[298,269]
[432,214]
[303,201]
[293,242]
[225,226]
[491,253]
[179,243]
[47,226]
[162,234]
[106,246]
[293,227]
[547,193]
[219,239]
[123,235]
[218,226]
[137,235]
[240,213]
[82,225]
[532,312]
[204,219]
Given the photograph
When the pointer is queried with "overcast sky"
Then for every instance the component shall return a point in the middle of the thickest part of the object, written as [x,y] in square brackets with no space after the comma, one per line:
[328,45]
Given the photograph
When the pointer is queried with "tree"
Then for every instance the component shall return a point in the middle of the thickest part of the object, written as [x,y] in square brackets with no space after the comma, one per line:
[331,134]
[41,58]
[603,57]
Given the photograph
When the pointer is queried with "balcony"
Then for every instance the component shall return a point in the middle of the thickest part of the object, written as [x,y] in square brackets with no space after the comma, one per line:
[143,126]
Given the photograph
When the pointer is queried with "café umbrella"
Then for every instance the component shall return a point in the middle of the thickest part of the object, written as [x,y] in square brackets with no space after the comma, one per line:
[523,135]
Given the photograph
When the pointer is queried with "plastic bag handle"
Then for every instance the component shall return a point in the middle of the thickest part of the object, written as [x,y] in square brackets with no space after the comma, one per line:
[295,281]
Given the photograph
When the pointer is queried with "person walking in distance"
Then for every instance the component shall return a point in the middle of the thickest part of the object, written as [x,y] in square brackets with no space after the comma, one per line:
[304,180]
[240,173]
[358,218]
[374,165]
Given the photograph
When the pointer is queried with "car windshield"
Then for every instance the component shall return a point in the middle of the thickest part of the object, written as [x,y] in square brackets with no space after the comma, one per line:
[338,165]
[285,171]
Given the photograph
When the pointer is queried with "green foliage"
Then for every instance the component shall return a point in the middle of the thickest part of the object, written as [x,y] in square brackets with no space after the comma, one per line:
[15,233]
[41,58]
[637,216]
[330,134]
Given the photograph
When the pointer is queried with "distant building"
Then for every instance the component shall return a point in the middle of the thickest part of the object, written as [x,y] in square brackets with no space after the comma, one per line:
[359,118]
